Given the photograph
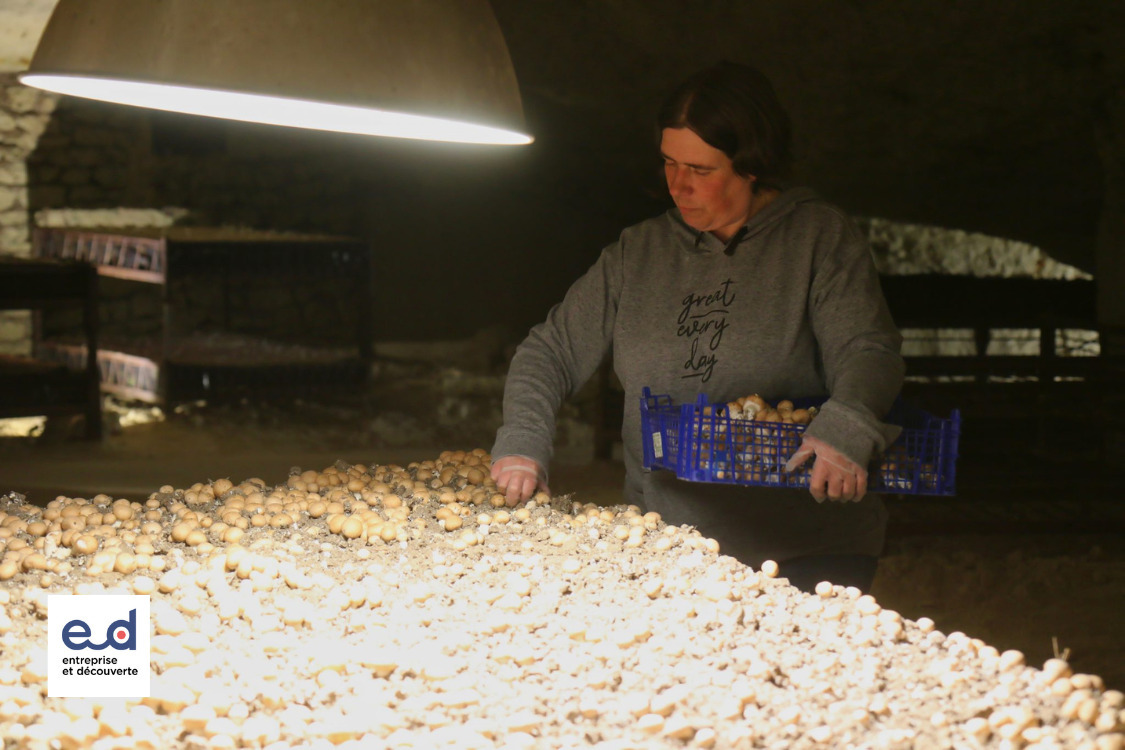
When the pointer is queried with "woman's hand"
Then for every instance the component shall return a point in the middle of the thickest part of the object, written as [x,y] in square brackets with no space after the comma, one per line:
[834,476]
[518,477]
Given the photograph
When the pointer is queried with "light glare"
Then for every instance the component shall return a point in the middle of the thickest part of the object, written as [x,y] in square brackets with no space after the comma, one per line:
[274,110]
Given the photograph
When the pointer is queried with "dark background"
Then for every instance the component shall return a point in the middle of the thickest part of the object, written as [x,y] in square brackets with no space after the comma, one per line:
[999,117]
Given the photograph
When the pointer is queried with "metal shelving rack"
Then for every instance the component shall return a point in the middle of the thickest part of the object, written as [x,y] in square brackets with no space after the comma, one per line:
[167,370]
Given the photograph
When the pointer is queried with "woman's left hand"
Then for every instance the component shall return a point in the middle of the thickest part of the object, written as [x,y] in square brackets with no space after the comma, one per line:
[834,475]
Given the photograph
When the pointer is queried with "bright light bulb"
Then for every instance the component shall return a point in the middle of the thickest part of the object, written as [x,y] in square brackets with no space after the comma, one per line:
[275,110]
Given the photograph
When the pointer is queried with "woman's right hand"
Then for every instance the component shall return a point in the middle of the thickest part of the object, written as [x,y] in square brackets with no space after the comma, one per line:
[834,476]
[518,477]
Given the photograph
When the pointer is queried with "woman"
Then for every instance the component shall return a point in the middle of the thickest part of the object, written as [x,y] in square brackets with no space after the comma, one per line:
[746,286]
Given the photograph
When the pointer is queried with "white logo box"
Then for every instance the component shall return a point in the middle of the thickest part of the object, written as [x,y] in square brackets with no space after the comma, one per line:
[98,646]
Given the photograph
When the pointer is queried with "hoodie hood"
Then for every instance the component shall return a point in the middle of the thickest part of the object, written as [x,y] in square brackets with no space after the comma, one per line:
[786,201]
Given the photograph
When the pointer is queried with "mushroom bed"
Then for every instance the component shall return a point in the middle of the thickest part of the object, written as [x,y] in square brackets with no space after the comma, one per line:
[391,606]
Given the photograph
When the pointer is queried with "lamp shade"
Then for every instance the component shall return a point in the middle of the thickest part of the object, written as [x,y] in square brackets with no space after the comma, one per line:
[428,69]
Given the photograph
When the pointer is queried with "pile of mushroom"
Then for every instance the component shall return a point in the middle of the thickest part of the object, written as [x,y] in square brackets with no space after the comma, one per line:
[391,606]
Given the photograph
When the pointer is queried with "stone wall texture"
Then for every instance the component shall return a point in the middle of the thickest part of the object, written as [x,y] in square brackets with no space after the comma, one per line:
[24,114]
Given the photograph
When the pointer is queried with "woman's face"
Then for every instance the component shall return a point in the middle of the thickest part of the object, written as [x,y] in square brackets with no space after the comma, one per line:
[704,185]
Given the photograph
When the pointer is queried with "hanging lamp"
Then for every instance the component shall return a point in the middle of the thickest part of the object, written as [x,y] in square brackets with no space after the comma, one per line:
[425,69]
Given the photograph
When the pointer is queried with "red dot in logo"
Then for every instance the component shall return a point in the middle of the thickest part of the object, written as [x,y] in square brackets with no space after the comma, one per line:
[120,634]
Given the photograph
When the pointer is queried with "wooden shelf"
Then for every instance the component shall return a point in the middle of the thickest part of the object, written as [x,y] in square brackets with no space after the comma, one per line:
[153,367]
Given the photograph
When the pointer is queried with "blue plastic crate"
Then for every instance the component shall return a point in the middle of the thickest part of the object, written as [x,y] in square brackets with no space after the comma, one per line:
[701,443]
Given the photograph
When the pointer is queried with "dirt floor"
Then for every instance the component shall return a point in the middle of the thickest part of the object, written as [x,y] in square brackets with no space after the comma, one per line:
[1018,568]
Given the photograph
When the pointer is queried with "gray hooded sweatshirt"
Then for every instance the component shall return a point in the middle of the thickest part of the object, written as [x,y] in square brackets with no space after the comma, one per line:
[791,307]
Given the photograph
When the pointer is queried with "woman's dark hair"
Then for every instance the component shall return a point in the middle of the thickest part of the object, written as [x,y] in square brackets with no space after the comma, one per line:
[733,108]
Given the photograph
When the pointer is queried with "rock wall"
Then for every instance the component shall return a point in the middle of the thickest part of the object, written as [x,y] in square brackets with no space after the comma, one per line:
[24,114]
[92,158]
[901,249]
[96,155]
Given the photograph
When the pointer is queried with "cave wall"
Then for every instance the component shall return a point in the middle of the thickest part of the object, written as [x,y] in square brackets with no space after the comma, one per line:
[24,114]
[1003,117]
[99,155]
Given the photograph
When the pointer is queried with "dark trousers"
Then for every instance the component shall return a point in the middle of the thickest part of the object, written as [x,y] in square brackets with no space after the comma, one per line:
[841,570]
